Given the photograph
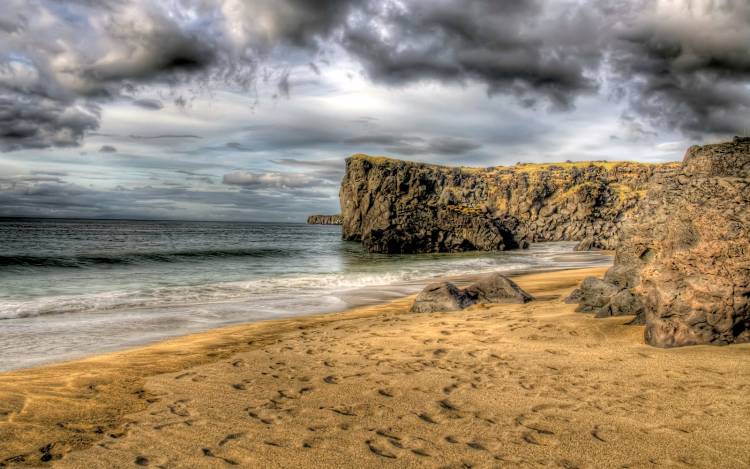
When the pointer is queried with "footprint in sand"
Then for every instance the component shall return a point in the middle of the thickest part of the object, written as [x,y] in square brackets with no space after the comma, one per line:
[378,450]
[179,408]
[445,404]
[536,433]
[210,454]
[255,415]
[230,437]
[602,433]
[477,446]
[427,418]
[450,388]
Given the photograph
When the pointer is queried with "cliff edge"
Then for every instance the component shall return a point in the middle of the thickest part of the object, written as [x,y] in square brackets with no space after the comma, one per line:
[396,206]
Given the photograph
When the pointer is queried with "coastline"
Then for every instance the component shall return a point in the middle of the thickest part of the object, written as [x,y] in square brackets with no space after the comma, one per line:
[102,309]
[529,364]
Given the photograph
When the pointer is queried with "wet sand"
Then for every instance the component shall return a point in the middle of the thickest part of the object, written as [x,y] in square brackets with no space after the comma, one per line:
[491,386]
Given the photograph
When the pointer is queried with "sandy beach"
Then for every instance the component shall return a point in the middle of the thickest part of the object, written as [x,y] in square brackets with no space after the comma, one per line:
[492,386]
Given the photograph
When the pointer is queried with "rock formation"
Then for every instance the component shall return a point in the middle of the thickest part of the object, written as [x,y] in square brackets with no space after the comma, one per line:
[438,297]
[324,220]
[395,206]
[683,267]
[492,288]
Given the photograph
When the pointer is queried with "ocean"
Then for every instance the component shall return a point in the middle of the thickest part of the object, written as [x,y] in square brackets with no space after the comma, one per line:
[71,288]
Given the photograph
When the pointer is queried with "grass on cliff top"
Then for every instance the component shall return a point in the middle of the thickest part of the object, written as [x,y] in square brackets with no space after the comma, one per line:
[518,167]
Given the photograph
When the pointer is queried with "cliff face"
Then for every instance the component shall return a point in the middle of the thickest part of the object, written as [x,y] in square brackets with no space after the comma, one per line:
[395,206]
[683,266]
[324,220]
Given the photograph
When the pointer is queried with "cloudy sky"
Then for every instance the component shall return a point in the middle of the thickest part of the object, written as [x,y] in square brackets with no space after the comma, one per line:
[246,109]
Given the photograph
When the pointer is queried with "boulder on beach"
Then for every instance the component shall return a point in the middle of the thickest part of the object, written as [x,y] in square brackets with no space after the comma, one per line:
[592,295]
[445,296]
[496,288]
[438,297]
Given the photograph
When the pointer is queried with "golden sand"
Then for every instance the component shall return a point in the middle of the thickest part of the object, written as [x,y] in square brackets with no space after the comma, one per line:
[491,386]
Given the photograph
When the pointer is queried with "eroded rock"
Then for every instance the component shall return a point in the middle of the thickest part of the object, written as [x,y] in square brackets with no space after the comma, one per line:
[440,296]
[496,288]
[395,206]
[683,267]
[324,220]
[592,295]
[445,296]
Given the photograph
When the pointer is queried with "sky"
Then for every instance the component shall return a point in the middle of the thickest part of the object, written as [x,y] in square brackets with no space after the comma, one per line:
[246,109]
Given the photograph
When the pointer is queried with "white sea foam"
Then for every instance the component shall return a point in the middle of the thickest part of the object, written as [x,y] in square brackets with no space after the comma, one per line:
[279,288]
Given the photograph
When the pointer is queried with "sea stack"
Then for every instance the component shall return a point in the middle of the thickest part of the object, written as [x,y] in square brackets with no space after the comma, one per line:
[324,220]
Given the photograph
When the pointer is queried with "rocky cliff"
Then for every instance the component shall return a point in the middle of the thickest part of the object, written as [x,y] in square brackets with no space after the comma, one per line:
[324,220]
[683,267]
[395,206]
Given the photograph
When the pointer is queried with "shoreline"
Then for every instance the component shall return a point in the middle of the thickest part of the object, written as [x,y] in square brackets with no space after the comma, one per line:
[178,319]
[81,411]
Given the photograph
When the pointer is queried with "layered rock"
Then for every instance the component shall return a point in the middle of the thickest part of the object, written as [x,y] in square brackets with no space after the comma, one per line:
[324,220]
[395,206]
[445,296]
[683,267]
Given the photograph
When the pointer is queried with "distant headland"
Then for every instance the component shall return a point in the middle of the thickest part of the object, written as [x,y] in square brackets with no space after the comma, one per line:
[324,220]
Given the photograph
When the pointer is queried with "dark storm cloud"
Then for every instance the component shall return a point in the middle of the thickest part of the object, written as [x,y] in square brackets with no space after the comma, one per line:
[283,84]
[527,48]
[686,65]
[62,57]
[236,146]
[55,54]
[30,122]
[151,104]
[680,64]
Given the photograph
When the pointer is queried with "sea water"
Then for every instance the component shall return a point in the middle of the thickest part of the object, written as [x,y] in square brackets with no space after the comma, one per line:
[70,288]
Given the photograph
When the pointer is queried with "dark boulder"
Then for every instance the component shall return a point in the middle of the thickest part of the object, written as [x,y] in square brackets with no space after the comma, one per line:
[592,295]
[492,288]
[496,288]
[438,297]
